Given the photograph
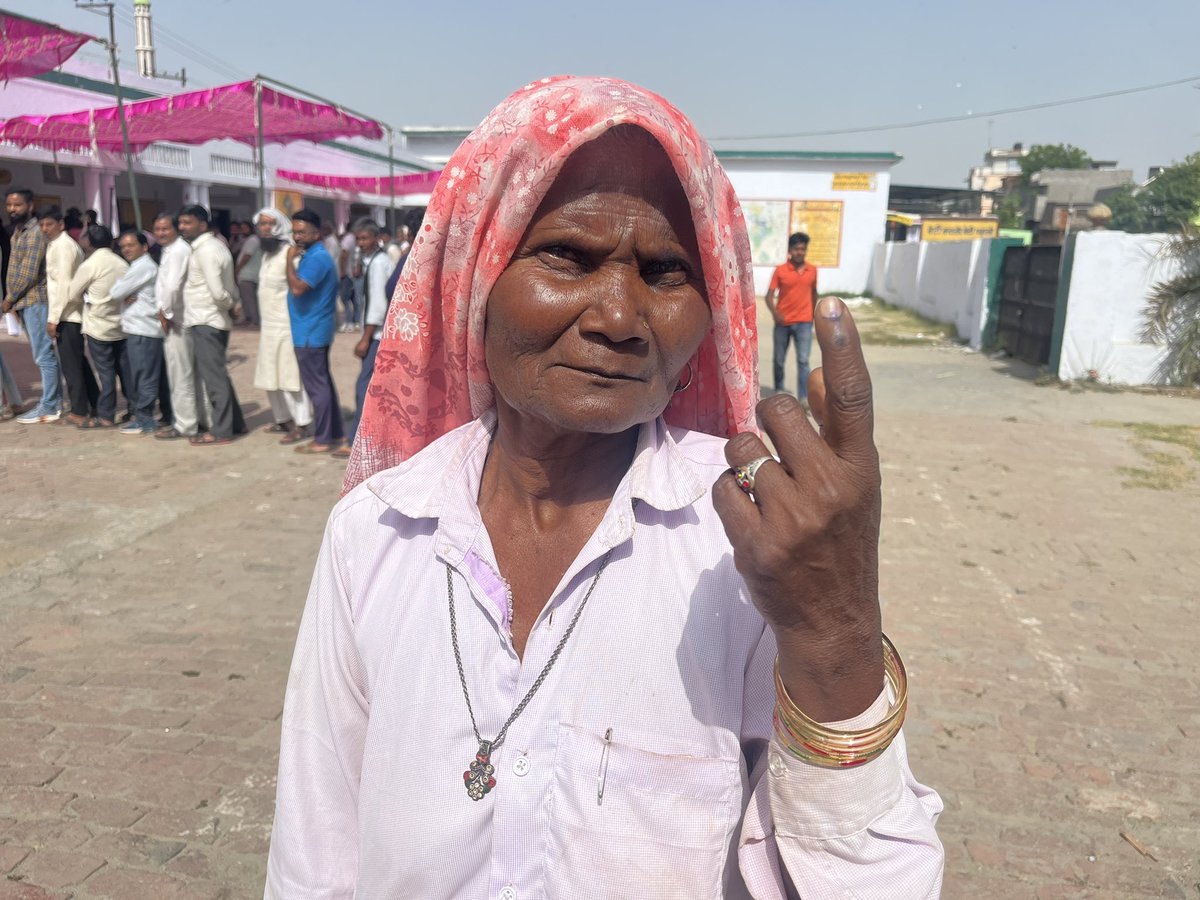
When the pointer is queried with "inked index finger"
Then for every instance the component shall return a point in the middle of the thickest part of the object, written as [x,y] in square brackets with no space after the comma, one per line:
[849,426]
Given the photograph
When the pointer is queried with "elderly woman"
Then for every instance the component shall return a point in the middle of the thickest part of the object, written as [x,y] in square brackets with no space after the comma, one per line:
[555,646]
[277,371]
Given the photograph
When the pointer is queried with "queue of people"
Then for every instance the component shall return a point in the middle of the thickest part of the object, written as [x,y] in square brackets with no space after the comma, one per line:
[109,320]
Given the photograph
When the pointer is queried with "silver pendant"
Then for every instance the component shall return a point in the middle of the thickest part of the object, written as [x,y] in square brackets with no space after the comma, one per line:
[480,776]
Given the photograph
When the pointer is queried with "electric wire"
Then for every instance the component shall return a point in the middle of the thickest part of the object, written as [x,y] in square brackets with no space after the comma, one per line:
[972,116]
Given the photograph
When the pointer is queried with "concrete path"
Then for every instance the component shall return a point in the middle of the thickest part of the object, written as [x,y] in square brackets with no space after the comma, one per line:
[150,593]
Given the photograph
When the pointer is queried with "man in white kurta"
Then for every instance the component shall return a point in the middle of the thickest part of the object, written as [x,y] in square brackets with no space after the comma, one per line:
[188,402]
[277,371]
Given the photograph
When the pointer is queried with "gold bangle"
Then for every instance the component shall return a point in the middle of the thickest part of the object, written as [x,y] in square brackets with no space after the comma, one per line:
[820,745]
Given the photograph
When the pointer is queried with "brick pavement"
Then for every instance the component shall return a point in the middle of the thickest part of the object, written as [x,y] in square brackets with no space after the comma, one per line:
[150,596]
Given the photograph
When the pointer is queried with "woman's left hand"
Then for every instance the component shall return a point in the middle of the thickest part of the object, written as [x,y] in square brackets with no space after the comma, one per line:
[808,543]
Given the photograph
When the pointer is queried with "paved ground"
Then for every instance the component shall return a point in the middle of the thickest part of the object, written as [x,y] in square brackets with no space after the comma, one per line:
[150,595]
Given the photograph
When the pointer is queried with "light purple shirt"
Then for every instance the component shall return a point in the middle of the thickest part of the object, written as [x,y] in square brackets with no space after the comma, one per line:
[670,654]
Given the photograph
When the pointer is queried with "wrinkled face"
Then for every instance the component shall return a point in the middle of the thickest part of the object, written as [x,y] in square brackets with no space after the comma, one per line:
[797,253]
[164,231]
[603,303]
[19,210]
[131,248]
[51,228]
[191,227]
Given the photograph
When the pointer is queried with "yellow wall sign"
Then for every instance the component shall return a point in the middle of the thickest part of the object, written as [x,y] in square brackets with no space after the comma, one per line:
[854,181]
[821,220]
[949,229]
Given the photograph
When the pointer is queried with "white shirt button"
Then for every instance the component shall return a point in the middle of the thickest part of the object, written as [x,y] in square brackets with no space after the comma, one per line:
[521,765]
[509,893]
[776,765]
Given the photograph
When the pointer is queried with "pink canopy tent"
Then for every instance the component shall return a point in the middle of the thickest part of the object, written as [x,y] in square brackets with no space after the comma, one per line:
[231,111]
[396,186]
[29,47]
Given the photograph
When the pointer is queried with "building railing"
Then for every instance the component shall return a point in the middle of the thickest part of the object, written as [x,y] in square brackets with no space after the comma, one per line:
[232,167]
[168,156]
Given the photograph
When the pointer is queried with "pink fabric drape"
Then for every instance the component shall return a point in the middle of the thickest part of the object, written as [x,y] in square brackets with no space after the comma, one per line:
[430,373]
[192,118]
[419,183]
[28,47]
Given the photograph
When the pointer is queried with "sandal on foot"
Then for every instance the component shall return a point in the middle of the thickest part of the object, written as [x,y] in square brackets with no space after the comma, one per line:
[313,449]
[342,452]
[96,423]
[207,440]
[293,437]
[278,428]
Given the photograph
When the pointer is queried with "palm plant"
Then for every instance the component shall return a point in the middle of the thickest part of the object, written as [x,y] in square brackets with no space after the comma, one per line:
[1172,316]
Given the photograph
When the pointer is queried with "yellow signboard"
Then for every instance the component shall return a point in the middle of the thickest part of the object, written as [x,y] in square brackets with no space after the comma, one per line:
[949,229]
[854,181]
[821,220]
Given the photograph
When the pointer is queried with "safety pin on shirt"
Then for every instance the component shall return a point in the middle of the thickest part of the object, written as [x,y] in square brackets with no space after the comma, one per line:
[602,772]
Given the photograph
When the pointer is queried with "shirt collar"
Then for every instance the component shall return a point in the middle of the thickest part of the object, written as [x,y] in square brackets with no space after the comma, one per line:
[419,487]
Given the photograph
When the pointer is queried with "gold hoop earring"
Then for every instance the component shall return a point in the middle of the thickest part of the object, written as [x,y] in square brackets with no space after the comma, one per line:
[688,383]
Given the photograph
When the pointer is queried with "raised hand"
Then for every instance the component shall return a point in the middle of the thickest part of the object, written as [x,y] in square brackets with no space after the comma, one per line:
[807,543]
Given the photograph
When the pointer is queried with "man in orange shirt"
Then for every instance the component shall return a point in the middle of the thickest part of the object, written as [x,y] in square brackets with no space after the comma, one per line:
[795,284]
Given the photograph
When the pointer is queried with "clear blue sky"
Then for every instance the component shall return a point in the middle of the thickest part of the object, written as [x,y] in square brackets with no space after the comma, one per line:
[737,68]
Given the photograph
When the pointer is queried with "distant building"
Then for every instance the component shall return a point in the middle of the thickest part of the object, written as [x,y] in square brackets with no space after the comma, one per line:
[1000,171]
[434,143]
[1059,199]
[938,201]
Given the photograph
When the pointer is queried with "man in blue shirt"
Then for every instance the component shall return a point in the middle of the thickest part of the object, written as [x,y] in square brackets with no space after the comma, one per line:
[312,307]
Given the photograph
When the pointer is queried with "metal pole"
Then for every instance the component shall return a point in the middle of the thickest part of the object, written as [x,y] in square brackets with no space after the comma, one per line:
[112,56]
[258,126]
[354,112]
[392,181]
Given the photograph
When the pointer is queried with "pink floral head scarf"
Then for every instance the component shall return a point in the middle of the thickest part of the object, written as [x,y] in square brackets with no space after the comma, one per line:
[430,375]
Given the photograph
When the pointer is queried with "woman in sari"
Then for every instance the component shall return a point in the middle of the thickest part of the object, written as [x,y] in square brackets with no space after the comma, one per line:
[574,631]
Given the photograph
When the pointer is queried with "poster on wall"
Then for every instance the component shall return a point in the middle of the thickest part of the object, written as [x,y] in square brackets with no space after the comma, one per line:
[821,220]
[767,225]
[289,201]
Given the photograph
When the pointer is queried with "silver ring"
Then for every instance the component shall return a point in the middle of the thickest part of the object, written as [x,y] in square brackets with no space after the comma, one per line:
[744,475]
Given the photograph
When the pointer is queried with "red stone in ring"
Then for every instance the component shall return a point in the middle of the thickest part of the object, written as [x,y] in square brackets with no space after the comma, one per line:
[744,475]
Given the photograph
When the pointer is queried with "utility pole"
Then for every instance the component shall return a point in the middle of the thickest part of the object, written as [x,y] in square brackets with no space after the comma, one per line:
[112,59]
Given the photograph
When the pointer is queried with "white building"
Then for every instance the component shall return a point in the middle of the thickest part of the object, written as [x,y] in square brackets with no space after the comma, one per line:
[839,199]
[221,175]
[1000,168]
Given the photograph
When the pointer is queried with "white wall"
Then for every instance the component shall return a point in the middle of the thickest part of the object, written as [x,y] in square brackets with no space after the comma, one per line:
[864,213]
[945,282]
[1111,279]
